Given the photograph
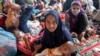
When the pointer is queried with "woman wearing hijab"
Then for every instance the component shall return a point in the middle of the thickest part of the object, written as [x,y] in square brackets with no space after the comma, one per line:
[55,33]
[77,18]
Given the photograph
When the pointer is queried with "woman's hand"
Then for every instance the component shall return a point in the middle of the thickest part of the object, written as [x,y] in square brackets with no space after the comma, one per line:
[71,47]
[36,47]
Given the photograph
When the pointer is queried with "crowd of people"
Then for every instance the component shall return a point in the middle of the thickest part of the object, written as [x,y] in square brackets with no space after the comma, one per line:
[38,28]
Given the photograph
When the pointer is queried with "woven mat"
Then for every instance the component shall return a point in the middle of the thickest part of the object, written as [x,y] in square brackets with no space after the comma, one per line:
[87,50]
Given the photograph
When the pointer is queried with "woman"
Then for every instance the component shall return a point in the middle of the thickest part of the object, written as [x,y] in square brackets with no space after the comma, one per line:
[77,18]
[55,33]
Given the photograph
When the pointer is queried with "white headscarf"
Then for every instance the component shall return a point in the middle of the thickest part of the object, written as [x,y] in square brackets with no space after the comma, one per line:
[90,8]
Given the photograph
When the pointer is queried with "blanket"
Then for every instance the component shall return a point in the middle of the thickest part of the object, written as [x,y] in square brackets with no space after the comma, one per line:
[7,43]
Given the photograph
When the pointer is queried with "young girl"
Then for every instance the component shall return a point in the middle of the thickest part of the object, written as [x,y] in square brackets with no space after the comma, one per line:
[55,33]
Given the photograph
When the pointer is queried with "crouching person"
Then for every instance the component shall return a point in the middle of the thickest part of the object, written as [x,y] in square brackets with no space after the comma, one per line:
[56,37]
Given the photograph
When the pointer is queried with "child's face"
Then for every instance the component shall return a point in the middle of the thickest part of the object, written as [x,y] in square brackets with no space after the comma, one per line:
[75,9]
[51,23]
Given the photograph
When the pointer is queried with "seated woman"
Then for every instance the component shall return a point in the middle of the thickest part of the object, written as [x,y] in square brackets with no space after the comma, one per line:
[55,33]
[77,19]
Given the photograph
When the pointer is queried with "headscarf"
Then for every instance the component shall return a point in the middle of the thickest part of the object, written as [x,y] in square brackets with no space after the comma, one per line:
[90,8]
[78,3]
[59,36]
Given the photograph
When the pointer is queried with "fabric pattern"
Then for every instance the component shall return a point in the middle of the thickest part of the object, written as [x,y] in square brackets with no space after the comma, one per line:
[34,27]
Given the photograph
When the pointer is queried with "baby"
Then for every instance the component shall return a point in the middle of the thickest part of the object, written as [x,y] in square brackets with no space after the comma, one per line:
[63,50]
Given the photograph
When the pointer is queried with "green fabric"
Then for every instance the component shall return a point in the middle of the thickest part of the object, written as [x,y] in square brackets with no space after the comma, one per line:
[35,11]
[76,40]
[0,1]
[30,1]
[13,1]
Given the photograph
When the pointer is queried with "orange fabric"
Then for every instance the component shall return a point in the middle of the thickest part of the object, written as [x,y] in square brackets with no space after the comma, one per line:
[12,20]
